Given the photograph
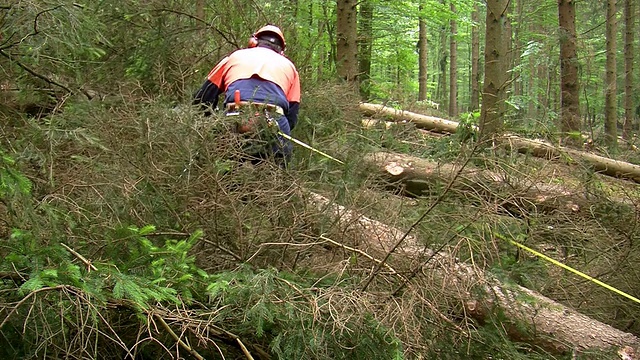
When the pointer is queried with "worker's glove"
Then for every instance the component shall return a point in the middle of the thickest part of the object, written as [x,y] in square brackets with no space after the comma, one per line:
[248,123]
[246,126]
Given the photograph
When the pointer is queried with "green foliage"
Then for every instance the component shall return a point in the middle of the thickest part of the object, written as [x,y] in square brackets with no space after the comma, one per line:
[162,273]
[523,272]
[294,319]
[140,293]
[96,165]
[12,182]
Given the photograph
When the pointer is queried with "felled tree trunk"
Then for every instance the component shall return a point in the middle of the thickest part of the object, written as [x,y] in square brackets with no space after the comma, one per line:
[601,164]
[415,176]
[423,121]
[556,328]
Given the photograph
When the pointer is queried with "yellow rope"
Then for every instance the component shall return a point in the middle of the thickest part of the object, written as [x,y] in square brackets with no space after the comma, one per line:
[566,267]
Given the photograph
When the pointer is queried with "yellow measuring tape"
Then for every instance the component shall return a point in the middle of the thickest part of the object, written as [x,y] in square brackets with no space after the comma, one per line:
[566,267]
[291,138]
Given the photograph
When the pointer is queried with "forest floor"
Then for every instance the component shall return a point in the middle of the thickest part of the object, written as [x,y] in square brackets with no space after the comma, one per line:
[297,263]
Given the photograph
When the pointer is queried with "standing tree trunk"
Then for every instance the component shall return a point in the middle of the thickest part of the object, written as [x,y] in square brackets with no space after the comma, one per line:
[495,69]
[518,88]
[475,58]
[629,23]
[453,66]
[610,104]
[441,92]
[200,9]
[365,47]
[570,90]
[422,54]
[442,82]
[347,33]
[200,16]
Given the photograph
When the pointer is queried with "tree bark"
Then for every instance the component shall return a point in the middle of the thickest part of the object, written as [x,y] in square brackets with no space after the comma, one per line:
[495,69]
[518,37]
[556,328]
[629,23]
[570,89]
[453,65]
[442,92]
[415,176]
[423,121]
[365,47]
[475,59]
[347,33]
[611,106]
[422,53]
[600,164]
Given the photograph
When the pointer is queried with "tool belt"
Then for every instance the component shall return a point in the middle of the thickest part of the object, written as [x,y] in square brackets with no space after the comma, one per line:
[251,117]
[254,106]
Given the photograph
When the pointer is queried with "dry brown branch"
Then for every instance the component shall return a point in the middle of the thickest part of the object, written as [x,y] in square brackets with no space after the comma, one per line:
[363,253]
[184,345]
[245,351]
[205,330]
[80,257]
[13,276]
[29,296]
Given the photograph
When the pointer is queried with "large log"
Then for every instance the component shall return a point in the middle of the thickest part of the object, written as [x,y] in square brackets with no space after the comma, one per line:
[601,164]
[555,327]
[416,176]
[422,121]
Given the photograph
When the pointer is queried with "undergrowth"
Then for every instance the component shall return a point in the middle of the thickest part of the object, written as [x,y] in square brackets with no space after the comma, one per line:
[130,231]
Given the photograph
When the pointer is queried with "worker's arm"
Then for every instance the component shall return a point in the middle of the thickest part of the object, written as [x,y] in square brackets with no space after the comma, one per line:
[209,92]
[292,115]
[207,97]
[293,96]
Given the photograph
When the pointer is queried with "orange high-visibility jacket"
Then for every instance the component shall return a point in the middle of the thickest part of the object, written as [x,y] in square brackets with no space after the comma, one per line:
[260,74]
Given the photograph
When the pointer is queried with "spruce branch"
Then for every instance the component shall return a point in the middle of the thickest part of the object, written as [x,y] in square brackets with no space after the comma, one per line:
[80,257]
[32,72]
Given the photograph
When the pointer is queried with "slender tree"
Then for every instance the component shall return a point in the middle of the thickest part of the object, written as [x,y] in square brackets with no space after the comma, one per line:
[570,90]
[611,111]
[475,58]
[200,9]
[518,46]
[453,64]
[443,54]
[346,44]
[629,23]
[442,63]
[495,69]
[365,46]
[422,53]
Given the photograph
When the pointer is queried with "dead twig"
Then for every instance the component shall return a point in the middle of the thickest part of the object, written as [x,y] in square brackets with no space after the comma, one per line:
[30,295]
[177,338]
[80,257]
